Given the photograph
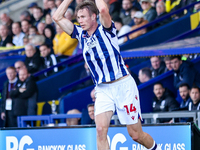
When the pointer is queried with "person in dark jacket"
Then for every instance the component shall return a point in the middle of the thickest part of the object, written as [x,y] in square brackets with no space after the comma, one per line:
[157,66]
[4,36]
[161,11]
[48,59]
[25,94]
[6,103]
[195,98]
[33,60]
[184,91]
[163,101]
[49,33]
[184,72]
[149,12]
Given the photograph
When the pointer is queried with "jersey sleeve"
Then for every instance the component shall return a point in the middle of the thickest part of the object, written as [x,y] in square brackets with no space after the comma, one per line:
[112,30]
[76,34]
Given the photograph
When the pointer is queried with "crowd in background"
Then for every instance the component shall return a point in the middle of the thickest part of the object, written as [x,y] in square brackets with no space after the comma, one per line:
[46,44]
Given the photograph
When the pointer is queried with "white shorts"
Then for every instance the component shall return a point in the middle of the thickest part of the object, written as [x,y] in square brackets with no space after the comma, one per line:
[122,95]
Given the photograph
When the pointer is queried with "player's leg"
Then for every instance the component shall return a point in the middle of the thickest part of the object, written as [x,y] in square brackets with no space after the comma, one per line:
[137,134]
[102,123]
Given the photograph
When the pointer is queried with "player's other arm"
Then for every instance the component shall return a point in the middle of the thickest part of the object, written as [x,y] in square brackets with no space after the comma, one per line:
[59,18]
[104,15]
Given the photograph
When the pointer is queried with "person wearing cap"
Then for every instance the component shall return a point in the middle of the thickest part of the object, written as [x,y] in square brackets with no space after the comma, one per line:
[139,21]
[149,12]
[30,9]
[121,29]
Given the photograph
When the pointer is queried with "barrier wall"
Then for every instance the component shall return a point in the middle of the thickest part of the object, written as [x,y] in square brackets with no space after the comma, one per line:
[169,137]
[49,88]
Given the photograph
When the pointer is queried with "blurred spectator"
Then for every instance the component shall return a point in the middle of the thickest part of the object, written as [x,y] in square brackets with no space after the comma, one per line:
[45,7]
[163,101]
[7,103]
[90,108]
[25,94]
[167,64]
[125,13]
[114,8]
[63,44]
[137,5]
[51,4]
[121,29]
[32,31]
[37,40]
[33,60]
[49,34]
[184,91]
[30,8]
[195,97]
[148,11]
[25,40]
[38,16]
[17,31]
[4,36]
[48,20]
[6,20]
[48,59]
[70,14]
[25,15]
[139,22]
[19,65]
[184,72]
[92,95]
[41,27]
[196,7]
[58,2]
[25,26]
[144,75]
[133,11]
[161,11]
[73,121]
[157,66]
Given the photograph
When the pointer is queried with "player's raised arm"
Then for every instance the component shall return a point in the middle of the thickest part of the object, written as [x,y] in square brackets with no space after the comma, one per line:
[104,15]
[59,18]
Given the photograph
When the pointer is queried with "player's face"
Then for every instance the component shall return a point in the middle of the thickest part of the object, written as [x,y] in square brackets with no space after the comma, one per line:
[91,112]
[195,95]
[184,92]
[84,19]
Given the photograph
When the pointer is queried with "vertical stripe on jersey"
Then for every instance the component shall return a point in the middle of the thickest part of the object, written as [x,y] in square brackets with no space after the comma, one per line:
[92,67]
[105,49]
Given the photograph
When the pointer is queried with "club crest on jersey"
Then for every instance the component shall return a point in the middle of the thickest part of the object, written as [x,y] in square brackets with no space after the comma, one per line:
[136,97]
[133,117]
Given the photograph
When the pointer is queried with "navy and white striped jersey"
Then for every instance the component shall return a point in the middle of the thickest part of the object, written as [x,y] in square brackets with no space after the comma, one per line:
[101,53]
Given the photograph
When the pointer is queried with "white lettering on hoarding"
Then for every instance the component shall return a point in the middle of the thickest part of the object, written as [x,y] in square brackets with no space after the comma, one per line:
[51,147]
[12,142]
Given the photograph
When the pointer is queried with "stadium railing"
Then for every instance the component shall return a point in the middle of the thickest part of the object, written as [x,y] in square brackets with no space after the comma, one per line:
[149,118]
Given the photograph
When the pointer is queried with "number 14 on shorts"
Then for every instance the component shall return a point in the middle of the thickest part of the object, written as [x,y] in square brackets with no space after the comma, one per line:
[130,108]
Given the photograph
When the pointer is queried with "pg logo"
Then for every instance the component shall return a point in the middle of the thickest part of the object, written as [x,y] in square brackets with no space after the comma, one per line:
[12,143]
